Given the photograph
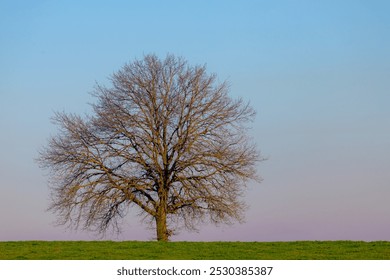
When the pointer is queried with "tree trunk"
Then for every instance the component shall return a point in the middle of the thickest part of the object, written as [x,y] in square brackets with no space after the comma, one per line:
[161,227]
[161,218]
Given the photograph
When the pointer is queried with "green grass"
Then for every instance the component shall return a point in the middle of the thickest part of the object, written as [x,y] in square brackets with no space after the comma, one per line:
[133,250]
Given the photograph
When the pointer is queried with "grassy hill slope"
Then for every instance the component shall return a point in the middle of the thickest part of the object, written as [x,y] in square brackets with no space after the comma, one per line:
[134,250]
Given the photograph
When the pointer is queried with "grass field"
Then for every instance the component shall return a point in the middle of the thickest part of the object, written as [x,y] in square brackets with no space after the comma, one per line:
[133,250]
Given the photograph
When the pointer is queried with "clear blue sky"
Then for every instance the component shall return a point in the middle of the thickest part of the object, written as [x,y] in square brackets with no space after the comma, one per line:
[317,72]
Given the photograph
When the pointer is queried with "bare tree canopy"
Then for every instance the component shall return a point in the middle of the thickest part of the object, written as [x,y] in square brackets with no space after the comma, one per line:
[165,138]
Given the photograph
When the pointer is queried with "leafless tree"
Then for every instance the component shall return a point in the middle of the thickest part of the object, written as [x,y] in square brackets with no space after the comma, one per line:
[166,138]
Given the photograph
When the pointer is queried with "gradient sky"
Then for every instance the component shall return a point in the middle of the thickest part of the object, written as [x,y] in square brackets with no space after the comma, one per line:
[317,72]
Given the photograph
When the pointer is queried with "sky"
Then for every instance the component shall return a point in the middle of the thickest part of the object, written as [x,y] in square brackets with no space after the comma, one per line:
[317,73]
